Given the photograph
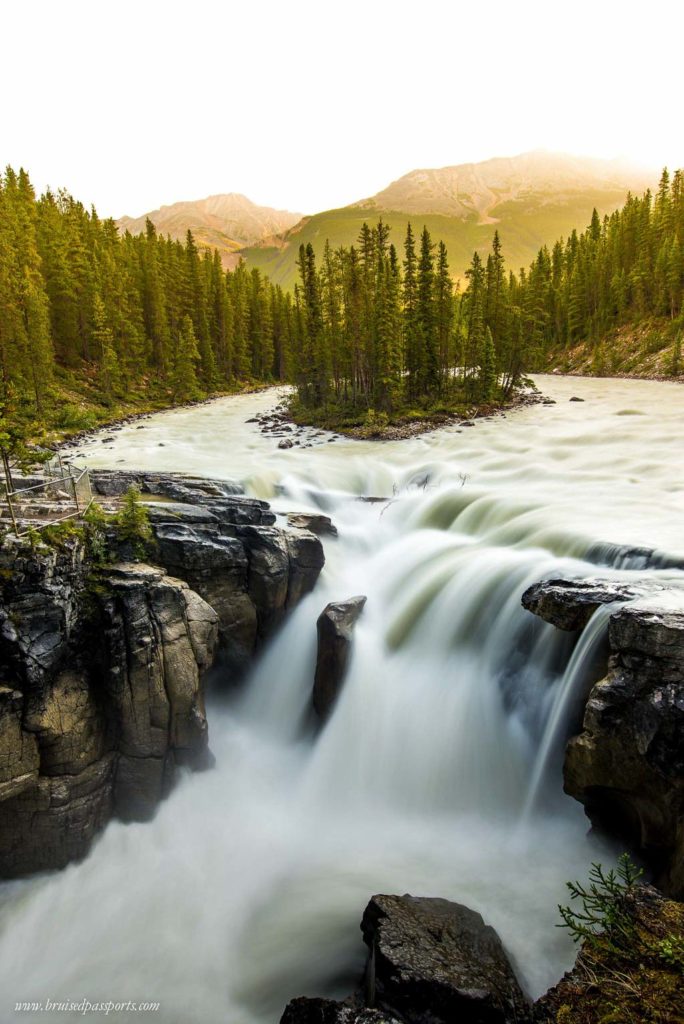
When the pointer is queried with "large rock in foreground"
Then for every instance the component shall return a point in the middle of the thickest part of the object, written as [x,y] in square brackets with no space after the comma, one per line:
[627,764]
[334,626]
[437,962]
[304,1010]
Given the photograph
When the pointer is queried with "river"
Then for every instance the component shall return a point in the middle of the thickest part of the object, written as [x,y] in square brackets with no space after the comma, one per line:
[439,770]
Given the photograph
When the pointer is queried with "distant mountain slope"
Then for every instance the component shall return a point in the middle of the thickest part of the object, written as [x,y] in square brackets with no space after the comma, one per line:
[532,199]
[229,222]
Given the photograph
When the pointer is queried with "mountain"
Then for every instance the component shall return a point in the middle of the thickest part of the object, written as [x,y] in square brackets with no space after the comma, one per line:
[228,222]
[532,200]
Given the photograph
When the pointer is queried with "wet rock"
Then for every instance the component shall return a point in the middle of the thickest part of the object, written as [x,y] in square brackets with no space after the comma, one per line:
[100,698]
[627,764]
[177,512]
[285,443]
[268,575]
[315,522]
[181,487]
[575,399]
[436,962]
[307,558]
[101,673]
[334,627]
[569,604]
[305,1010]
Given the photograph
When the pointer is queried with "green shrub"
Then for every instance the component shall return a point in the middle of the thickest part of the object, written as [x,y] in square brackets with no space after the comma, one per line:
[603,918]
[373,423]
[95,528]
[132,523]
[72,417]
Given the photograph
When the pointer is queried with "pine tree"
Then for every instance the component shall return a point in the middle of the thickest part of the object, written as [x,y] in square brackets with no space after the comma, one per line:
[183,379]
[109,370]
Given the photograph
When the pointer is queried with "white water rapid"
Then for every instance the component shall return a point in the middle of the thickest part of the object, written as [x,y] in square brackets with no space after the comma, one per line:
[439,771]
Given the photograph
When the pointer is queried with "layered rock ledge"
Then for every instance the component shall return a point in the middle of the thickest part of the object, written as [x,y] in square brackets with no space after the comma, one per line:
[102,666]
[627,764]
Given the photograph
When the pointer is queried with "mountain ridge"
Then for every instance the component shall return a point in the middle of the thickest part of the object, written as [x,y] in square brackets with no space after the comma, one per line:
[228,221]
[532,198]
[454,190]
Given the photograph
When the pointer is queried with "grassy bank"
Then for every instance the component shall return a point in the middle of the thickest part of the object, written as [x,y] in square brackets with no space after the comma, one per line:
[650,349]
[75,404]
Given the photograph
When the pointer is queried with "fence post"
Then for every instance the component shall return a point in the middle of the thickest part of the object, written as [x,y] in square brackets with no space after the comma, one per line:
[73,484]
[11,511]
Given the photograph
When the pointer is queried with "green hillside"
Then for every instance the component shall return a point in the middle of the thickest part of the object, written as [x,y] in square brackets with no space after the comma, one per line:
[523,224]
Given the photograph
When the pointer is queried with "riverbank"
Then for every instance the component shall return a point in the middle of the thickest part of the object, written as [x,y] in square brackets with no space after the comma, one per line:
[650,350]
[75,410]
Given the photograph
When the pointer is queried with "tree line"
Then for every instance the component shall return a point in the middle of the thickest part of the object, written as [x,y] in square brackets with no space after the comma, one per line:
[76,293]
[378,331]
[369,327]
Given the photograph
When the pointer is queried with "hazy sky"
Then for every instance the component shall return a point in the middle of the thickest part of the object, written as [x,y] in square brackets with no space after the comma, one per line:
[310,105]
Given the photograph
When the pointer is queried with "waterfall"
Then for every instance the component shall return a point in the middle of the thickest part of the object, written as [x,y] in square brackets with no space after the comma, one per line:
[248,887]
[568,698]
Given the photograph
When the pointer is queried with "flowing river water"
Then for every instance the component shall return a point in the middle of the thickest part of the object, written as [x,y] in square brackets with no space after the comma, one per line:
[439,771]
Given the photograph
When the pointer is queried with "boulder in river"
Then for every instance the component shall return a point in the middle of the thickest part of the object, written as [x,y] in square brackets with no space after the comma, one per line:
[335,625]
[314,521]
[305,1010]
[436,962]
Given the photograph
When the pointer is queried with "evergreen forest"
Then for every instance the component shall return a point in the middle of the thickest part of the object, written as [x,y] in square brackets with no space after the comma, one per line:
[93,321]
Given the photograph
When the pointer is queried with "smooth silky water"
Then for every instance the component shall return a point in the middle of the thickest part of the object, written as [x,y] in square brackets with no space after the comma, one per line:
[439,772]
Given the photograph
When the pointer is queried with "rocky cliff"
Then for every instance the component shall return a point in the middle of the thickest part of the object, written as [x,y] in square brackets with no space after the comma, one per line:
[102,665]
[626,764]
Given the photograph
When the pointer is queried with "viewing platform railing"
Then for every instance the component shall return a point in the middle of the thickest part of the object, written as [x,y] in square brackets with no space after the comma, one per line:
[66,492]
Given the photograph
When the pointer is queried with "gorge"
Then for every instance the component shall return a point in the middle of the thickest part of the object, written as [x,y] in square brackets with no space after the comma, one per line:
[438,770]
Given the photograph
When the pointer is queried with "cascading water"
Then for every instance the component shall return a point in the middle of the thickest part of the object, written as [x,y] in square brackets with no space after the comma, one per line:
[438,772]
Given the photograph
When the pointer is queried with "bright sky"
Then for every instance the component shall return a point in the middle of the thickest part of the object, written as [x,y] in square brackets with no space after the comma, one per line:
[312,104]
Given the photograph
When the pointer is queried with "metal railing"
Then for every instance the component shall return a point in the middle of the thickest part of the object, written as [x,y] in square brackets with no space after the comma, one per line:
[72,490]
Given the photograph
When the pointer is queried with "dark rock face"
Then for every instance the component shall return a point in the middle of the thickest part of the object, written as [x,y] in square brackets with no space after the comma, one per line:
[436,962]
[335,625]
[100,698]
[225,546]
[101,675]
[327,1011]
[178,487]
[569,604]
[627,764]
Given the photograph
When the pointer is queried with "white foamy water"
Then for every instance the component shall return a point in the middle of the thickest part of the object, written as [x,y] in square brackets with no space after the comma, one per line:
[439,770]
